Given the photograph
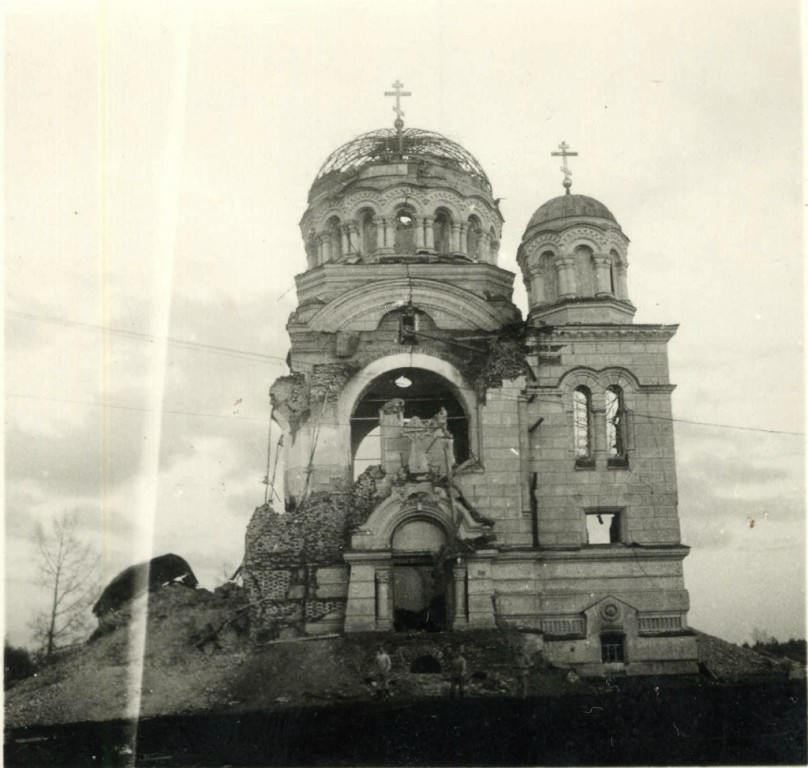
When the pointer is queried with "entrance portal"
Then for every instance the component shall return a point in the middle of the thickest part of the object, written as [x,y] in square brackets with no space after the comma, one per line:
[420,585]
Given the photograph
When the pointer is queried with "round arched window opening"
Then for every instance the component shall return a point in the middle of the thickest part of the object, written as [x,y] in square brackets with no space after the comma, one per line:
[427,394]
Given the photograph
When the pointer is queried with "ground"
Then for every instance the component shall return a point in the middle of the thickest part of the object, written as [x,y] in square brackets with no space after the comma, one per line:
[200,698]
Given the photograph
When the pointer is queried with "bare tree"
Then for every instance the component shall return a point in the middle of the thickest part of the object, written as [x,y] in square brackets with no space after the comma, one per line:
[68,569]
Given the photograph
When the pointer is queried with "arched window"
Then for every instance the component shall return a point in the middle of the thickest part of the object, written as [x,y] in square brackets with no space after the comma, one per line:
[473,238]
[367,233]
[405,232]
[582,426]
[615,426]
[334,239]
[442,229]
[550,275]
[585,271]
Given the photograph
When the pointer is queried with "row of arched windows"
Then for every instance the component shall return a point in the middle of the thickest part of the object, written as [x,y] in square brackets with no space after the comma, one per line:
[404,233]
[583,425]
[586,280]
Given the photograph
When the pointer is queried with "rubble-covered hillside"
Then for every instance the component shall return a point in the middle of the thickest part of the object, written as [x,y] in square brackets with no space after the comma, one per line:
[200,657]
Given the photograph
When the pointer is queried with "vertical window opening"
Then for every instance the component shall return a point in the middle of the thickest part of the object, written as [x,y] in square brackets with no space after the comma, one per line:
[615,427]
[405,232]
[442,230]
[602,527]
[368,233]
[473,238]
[612,648]
[582,425]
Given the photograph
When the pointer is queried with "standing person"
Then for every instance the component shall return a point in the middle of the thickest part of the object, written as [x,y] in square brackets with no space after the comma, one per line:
[382,667]
[457,673]
[523,665]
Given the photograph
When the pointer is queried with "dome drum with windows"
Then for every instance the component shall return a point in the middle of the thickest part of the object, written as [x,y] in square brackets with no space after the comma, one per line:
[573,258]
[406,195]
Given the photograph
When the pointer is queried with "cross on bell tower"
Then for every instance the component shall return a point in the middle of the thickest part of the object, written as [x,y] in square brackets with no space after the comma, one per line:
[563,146]
[399,123]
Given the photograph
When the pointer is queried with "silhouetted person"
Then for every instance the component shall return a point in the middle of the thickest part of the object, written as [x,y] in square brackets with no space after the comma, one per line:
[382,666]
[458,670]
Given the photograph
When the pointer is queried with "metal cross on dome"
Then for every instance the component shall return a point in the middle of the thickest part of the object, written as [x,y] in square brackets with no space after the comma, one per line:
[563,146]
[399,123]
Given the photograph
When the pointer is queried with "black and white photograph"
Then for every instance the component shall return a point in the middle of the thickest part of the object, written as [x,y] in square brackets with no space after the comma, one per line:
[404,384]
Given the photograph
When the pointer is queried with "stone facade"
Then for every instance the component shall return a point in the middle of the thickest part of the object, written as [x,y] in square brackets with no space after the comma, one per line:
[450,466]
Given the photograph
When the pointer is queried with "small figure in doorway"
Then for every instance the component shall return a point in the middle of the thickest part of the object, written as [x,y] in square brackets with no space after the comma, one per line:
[458,671]
[382,667]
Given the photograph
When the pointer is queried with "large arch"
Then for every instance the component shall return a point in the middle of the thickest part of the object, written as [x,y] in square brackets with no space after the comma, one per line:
[354,390]
[364,306]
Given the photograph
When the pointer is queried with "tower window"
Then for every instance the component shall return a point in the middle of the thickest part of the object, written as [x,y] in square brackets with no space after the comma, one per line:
[442,230]
[334,239]
[603,527]
[405,232]
[615,427]
[612,648]
[585,271]
[582,426]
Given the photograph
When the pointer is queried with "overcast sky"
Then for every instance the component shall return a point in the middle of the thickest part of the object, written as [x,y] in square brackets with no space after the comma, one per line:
[157,166]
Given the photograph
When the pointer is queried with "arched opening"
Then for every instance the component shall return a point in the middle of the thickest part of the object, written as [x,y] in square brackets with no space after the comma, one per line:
[334,239]
[550,275]
[442,229]
[474,238]
[582,426]
[425,665]
[367,226]
[585,270]
[405,231]
[615,427]
[422,394]
[420,582]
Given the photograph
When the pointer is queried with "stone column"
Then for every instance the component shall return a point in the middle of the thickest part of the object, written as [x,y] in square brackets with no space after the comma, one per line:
[460,573]
[379,222]
[566,277]
[383,598]
[603,281]
[419,234]
[485,248]
[464,239]
[389,235]
[353,238]
[346,241]
[429,234]
[322,249]
[455,238]
[598,432]
[535,285]
[620,278]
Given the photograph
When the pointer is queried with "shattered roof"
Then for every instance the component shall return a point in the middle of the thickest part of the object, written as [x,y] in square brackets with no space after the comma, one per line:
[382,145]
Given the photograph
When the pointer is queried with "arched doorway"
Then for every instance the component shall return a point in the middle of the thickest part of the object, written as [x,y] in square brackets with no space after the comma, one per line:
[420,583]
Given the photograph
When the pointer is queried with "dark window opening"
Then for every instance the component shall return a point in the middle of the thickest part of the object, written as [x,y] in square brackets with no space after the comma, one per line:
[612,648]
[442,231]
[603,528]
[473,238]
[425,665]
[424,393]
[368,246]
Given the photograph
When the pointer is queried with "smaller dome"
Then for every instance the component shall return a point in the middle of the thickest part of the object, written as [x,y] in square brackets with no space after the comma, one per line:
[569,206]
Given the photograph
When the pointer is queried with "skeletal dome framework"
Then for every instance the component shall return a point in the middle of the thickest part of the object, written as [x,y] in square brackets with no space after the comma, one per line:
[382,146]
[401,196]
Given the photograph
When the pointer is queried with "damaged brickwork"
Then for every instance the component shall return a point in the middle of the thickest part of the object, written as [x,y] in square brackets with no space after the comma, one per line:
[293,566]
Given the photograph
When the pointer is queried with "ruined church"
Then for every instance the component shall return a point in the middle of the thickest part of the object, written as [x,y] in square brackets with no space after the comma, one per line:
[449,466]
